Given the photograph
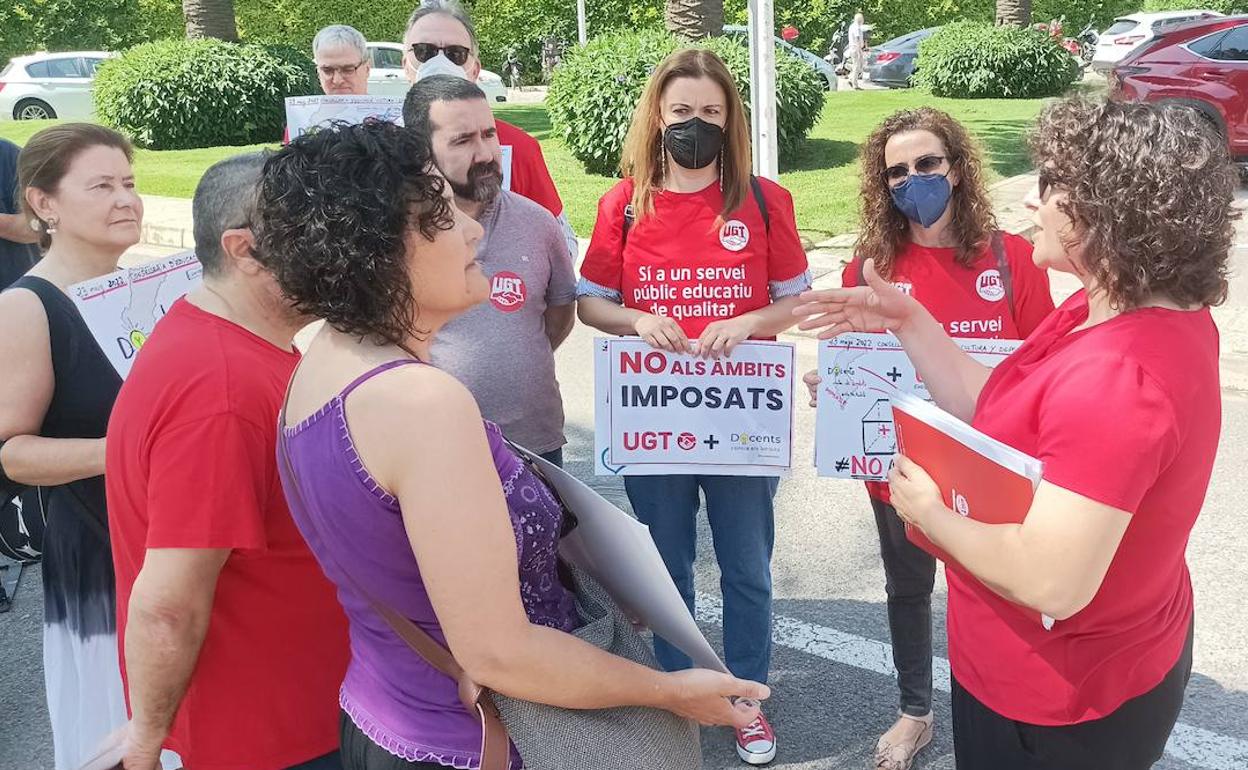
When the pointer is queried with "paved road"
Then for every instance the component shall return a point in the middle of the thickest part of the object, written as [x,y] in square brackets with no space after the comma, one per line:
[833,691]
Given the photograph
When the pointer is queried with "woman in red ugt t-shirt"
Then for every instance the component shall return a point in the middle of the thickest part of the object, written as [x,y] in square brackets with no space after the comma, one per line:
[928,225]
[1117,393]
[690,247]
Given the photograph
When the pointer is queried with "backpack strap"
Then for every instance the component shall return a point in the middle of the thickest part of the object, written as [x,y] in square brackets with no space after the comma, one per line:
[997,242]
[629,218]
[757,188]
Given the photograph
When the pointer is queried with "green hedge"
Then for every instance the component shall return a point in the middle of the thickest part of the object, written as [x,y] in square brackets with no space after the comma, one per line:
[594,92]
[972,60]
[182,94]
[1222,6]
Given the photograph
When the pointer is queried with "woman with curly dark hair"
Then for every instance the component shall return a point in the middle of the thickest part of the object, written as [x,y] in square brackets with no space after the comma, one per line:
[397,483]
[1118,394]
[928,227]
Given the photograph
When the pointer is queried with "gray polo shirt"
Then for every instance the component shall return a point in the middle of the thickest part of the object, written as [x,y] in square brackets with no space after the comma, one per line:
[499,349]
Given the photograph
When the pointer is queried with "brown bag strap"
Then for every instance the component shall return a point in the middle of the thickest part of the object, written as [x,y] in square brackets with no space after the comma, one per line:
[495,744]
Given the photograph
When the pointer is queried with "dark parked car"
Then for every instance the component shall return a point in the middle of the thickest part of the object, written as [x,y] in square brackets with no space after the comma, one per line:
[892,63]
[1204,65]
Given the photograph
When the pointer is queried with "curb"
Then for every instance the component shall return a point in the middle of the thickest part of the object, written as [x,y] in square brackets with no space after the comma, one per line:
[167,236]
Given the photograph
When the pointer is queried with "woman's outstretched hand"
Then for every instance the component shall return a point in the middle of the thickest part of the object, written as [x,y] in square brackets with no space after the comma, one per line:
[877,306]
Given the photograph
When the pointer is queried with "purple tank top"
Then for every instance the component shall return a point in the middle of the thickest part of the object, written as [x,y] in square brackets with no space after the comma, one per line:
[351,523]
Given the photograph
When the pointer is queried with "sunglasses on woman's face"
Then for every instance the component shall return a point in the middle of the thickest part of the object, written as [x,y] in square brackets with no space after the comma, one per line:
[928,164]
[423,52]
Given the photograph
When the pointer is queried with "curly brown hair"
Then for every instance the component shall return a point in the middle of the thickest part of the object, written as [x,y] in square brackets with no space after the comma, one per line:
[884,230]
[335,210]
[1149,189]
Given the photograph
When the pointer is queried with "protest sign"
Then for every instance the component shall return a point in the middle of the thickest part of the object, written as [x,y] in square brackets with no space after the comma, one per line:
[854,434]
[305,114]
[657,412]
[122,308]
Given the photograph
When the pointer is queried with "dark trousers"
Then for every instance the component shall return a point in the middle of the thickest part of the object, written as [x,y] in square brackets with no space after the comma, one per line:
[909,575]
[331,761]
[1132,738]
[360,753]
[554,457]
[741,512]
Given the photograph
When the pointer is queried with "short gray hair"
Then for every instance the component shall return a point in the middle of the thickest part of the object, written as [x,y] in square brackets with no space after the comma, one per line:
[224,199]
[336,35]
[446,8]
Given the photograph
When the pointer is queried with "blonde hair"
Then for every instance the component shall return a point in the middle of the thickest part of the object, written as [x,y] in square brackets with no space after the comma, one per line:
[643,157]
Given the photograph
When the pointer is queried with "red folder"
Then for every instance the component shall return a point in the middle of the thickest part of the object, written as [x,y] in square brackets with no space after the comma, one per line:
[978,476]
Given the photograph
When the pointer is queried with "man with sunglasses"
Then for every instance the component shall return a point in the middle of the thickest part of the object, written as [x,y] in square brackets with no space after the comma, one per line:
[441,40]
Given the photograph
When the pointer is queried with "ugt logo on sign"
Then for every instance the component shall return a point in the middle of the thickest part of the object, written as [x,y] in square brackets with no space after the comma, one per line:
[507,292]
[686,441]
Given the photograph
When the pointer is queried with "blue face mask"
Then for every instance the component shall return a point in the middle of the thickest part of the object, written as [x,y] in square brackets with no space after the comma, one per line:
[923,198]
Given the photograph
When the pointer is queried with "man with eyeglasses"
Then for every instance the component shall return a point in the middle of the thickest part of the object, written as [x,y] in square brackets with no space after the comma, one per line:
[341,56]
[342,63]
[441,40]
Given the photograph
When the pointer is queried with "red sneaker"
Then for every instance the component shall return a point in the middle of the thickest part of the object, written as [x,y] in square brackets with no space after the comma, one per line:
[756,743]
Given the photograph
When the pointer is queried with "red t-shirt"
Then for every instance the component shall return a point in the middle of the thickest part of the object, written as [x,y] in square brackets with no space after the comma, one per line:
[191,464]
[685,262]
[969,302]
[1126,413]
[529,175]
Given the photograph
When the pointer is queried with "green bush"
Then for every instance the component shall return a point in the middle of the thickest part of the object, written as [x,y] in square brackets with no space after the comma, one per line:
[67,25]
[181,94]
[1222,6]
[975,60]
[594,91]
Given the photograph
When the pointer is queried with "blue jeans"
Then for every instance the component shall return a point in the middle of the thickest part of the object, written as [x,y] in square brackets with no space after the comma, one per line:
[742,517]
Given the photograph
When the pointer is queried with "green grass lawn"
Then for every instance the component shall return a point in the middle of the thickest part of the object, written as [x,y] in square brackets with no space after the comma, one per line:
[823,178]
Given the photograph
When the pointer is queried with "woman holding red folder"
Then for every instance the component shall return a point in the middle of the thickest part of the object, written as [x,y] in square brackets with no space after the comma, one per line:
[1117,393]
[928,227]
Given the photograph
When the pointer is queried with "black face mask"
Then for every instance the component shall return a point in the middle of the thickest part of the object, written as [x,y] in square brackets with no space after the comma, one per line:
[693,143]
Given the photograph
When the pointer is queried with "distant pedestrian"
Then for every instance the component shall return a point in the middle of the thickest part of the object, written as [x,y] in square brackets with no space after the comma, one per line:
[856,50]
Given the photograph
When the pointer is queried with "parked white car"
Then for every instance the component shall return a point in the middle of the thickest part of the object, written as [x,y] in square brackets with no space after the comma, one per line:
[50,85]
[387,78]
[1134,30]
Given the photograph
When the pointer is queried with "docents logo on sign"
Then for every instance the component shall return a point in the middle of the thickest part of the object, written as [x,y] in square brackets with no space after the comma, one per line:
[990,286]
[734,235]
[507,292]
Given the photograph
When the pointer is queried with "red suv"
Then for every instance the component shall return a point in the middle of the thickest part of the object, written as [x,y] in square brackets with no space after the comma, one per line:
[1203,65]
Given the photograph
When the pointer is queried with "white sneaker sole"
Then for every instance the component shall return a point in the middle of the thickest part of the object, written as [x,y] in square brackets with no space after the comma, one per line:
[750,758]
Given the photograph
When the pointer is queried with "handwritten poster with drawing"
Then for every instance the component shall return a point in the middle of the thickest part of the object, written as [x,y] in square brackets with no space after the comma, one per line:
[122,308]
[308,113]
[657,412]
[854,435]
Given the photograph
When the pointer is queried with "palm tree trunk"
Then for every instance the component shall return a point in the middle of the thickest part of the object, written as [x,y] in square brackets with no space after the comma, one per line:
[1016,13]
[210,18]
[695,19]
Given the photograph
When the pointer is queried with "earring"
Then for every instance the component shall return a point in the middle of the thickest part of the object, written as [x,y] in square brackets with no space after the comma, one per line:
[50,227]
[663,164]
[721,169]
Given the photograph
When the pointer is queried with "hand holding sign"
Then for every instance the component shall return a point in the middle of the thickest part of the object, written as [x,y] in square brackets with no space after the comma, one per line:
[662,333]
[878,306]
[720,337]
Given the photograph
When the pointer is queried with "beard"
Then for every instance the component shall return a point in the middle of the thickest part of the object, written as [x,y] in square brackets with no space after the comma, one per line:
[484,182]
